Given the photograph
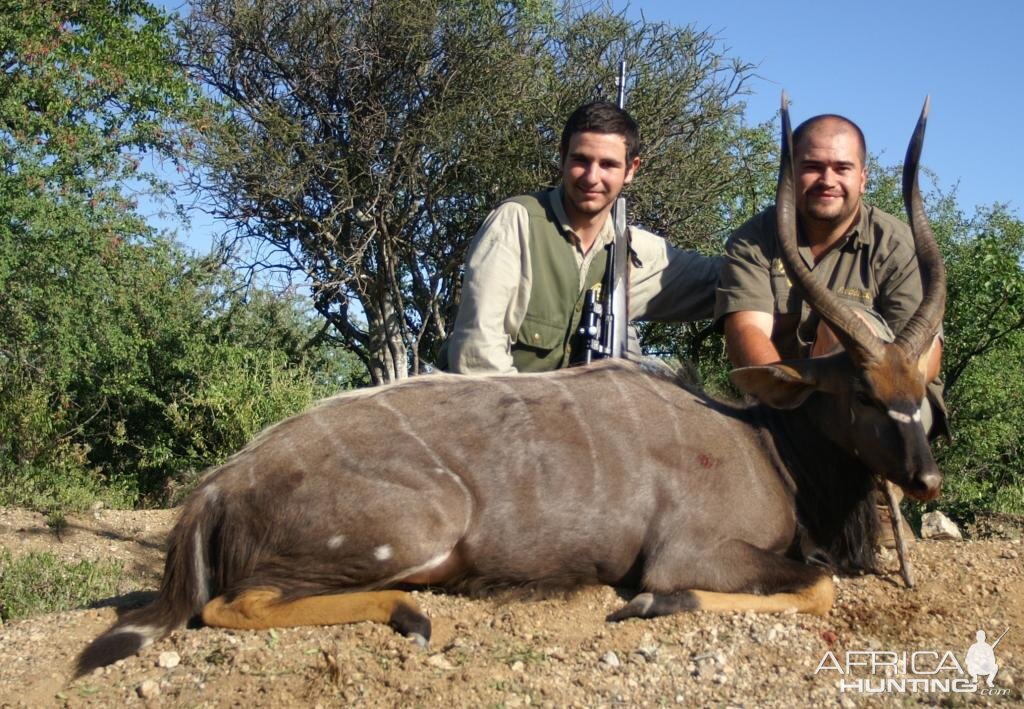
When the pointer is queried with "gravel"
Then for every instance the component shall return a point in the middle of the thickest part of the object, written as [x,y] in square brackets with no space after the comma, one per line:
[505,650]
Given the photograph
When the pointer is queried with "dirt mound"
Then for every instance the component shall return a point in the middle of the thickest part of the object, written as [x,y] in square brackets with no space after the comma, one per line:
[552,652]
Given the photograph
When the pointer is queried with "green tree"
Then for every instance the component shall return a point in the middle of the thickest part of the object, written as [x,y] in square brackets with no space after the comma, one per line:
[362,143]
[87,89]
[122,362]
[982,364]
[753,155]
[983,346]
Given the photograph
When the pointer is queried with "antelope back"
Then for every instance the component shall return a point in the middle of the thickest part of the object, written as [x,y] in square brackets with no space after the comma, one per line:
[520,471]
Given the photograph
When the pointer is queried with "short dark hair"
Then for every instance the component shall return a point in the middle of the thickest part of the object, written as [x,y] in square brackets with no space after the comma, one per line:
[806,126]
[602,117]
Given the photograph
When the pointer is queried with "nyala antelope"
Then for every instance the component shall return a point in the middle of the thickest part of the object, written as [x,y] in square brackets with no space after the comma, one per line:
[559,479]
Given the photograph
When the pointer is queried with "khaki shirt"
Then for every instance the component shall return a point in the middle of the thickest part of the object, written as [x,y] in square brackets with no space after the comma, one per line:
[670,285]
[874,268]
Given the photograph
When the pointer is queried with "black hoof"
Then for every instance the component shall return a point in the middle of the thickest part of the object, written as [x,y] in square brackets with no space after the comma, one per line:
[652,605]
[411,623]
[636,608]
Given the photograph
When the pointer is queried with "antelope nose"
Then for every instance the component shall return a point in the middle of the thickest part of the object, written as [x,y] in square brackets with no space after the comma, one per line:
[926,486]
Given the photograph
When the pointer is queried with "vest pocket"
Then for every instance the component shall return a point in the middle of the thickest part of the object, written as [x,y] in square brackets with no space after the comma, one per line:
[540,335]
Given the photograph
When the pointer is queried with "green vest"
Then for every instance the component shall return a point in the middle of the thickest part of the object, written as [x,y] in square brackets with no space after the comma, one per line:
[547,339]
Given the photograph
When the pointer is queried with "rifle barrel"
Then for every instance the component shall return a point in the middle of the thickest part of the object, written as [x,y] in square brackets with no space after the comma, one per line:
[621,98]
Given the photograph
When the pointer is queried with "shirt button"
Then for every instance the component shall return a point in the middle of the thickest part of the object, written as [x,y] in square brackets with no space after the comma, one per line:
[536,337]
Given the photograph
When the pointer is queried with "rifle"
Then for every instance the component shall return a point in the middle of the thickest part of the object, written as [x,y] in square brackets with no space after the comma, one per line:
[604,322]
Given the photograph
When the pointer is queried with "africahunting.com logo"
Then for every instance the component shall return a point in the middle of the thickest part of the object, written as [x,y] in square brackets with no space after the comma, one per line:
[889,671]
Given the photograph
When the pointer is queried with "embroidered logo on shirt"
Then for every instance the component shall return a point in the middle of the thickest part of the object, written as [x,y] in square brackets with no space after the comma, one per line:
[780,270]
[855,293]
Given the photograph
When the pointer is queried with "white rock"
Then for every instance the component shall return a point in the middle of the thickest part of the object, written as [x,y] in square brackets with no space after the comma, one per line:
[148,689]
[935,525]
[649,651]
[169,659]
[440,662]
[610,659]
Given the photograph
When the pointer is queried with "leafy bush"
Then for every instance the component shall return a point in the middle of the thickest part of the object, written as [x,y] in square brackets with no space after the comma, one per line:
[157,366]
[983,465]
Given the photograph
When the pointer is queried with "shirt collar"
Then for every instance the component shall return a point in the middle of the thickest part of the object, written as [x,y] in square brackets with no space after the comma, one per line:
[555,196]
[860,232]
[855,238]
[857,235]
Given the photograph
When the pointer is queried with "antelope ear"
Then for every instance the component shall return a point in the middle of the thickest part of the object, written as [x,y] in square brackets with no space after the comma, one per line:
[781,386]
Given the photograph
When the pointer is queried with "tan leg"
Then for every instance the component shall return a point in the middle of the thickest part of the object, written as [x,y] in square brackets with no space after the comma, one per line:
[816,599]
[261,608]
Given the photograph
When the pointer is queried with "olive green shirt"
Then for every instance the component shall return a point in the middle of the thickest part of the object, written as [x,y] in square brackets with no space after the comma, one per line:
[669,285]
[874,268]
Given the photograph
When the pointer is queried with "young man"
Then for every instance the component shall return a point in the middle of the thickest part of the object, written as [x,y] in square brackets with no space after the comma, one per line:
[868,258]
[536,255]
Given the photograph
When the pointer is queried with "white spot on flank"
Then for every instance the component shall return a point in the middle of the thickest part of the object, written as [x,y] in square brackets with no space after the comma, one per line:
[335,541]
[383,552]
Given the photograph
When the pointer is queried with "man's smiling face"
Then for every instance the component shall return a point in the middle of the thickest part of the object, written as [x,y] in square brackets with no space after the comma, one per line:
[594,171]
[831,175]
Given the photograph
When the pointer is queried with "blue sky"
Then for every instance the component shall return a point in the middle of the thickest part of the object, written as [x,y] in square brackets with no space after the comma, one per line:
[874,61]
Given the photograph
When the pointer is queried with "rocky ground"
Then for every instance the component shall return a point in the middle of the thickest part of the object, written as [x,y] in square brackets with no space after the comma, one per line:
[514,652]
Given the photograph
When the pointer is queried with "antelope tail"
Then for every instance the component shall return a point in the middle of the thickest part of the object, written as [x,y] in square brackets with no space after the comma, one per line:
[183,593]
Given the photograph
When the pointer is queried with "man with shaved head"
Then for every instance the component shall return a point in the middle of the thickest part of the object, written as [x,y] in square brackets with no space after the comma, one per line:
[866,257]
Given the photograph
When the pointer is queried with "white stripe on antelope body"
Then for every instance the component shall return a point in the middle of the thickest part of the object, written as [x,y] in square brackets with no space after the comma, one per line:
[553,480]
